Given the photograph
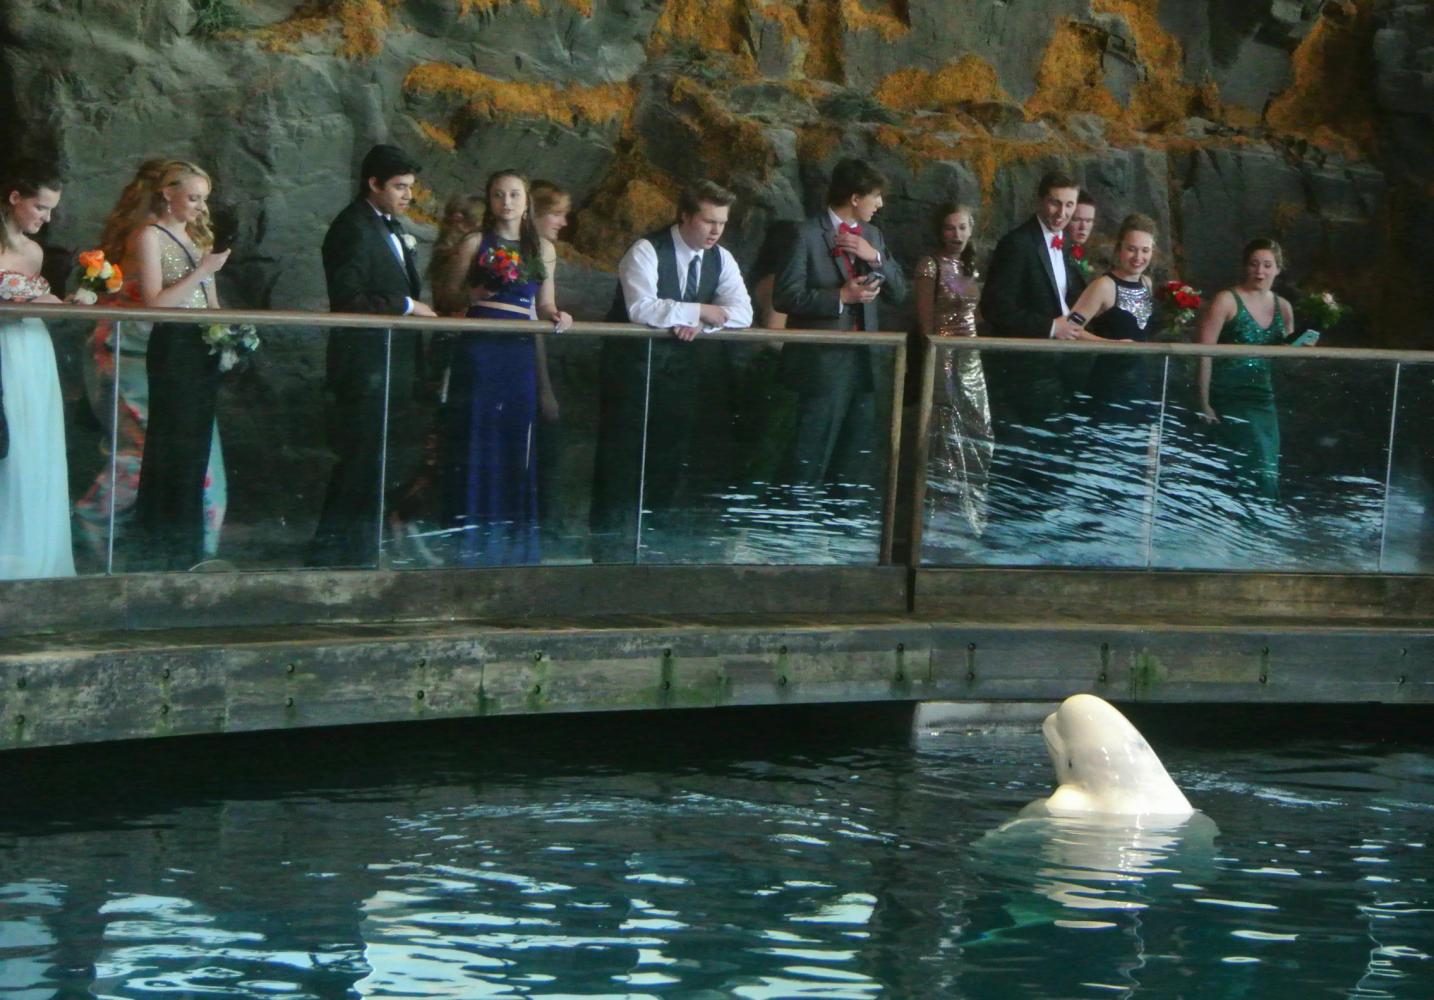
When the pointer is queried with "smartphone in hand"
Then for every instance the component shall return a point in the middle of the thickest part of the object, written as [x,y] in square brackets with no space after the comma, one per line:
[1307,339]
[869,280]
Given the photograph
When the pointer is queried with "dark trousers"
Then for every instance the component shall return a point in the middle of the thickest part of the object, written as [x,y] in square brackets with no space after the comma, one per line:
[688,435]
[361,370]
[183,393]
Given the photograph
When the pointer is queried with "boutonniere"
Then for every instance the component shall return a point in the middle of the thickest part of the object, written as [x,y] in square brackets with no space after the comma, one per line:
[410,242]
[1078,258]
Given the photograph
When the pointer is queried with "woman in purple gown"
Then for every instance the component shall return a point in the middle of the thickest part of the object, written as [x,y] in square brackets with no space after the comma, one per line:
[498,383]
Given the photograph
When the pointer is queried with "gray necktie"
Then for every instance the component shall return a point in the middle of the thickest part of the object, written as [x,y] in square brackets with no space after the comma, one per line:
[689,289]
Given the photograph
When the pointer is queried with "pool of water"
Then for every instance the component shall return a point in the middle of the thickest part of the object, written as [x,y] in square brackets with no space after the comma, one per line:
[715,854]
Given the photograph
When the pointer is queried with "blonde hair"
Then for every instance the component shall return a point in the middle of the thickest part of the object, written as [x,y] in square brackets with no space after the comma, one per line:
[142,201]
[462,217]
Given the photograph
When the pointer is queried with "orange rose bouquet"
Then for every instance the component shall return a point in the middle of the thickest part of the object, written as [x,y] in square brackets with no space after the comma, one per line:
[95,277]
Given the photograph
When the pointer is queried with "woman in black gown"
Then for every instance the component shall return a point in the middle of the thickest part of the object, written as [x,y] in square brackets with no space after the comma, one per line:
[1123,409]
[175,267]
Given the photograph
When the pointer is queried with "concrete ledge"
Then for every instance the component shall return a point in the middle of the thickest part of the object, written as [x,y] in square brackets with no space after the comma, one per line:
[179,600]
[185,682]
[1074,595]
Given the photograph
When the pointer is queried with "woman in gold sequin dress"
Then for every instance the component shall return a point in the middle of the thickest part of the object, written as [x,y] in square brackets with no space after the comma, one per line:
[947,292]
[176,266]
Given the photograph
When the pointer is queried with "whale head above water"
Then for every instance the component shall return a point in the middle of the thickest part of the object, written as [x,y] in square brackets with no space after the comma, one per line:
[1104,766]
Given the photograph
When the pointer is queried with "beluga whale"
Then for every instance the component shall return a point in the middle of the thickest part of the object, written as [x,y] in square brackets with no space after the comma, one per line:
[1104,767]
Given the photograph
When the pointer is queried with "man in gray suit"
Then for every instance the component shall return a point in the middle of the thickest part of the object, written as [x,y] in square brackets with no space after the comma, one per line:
[835,272]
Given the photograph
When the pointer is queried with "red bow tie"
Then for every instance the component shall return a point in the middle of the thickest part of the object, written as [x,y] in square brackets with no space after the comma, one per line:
[1057,243]
[850,227]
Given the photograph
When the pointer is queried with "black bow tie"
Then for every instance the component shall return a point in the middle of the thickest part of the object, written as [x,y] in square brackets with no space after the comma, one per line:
[394,226]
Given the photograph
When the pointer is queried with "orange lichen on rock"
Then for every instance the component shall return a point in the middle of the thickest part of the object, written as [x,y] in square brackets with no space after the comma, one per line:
[778,10]
[719,25]
[1162,96]
[424,206]
[726,141]
[1070,77]
[438,135]
[361,25]
[856,17]
[634,200]
[1331,101]
[825,43]
[489,97]
[970,78]
[466,7]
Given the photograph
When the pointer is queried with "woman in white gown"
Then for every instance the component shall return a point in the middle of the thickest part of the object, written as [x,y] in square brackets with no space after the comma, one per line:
[34,482]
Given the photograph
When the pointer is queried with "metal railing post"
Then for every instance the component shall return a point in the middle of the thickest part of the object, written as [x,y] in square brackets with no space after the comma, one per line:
[1389,466]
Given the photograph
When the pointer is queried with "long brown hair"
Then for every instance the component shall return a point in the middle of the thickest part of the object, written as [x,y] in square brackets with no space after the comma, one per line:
[26,180]
[529,243]
[462,217]
[131,212]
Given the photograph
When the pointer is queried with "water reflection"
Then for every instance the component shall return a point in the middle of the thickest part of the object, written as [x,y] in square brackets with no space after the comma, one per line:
[720,855]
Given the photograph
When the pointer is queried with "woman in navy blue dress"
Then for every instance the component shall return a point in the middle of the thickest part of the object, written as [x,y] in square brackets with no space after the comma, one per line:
[498,383]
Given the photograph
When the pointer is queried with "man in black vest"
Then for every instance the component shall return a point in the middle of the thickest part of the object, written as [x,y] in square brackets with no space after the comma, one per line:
[373,376]
[676,279]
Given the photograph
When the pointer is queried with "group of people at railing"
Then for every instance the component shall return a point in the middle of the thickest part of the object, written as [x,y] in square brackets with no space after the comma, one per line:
[155,387]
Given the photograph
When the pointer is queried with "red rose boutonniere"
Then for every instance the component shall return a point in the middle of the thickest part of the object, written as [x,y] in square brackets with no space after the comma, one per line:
[1081,261]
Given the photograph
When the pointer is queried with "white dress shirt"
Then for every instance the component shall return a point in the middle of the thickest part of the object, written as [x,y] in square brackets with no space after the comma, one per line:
[396,246]
[637,273]
[1058,267]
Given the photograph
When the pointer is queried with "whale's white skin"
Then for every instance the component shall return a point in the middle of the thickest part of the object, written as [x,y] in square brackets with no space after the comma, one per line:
[1104,766]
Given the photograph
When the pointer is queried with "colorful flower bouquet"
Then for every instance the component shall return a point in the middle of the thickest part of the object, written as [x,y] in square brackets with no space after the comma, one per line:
[1182,300]
[501,266]
[97,277]
[1321,310]
[233,344]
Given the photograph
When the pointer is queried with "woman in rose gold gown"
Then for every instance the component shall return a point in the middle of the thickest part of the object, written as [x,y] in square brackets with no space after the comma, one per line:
[960,446]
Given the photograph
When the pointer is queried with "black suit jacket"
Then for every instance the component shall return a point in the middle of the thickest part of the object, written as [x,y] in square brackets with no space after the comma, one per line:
[364,275]
[1019,298]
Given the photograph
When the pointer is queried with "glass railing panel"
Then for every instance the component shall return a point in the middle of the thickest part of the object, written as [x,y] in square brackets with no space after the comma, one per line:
[493,465]
[1407,543]
[763,454]
[1103,459]
[1040,458]
[222,459]
[1289,476]
[55,444]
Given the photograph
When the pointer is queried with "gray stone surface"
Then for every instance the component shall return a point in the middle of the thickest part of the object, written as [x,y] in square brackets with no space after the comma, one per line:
[103,84]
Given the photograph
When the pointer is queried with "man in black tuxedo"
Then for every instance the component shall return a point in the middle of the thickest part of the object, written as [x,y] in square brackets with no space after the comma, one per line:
[834,273]
[372,374]
[1031,283]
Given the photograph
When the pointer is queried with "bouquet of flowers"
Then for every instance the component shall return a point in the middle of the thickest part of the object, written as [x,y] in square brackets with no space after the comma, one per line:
[1081,260]
[1321,310]
[233,344]
[501,266]
[1182,300]
[97,276]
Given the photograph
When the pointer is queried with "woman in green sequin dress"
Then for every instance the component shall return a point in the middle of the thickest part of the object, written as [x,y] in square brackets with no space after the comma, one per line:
[1237,395]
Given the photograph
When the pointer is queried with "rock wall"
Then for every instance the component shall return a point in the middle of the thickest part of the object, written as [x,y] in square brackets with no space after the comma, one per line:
[1308,120]
[1224,118]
